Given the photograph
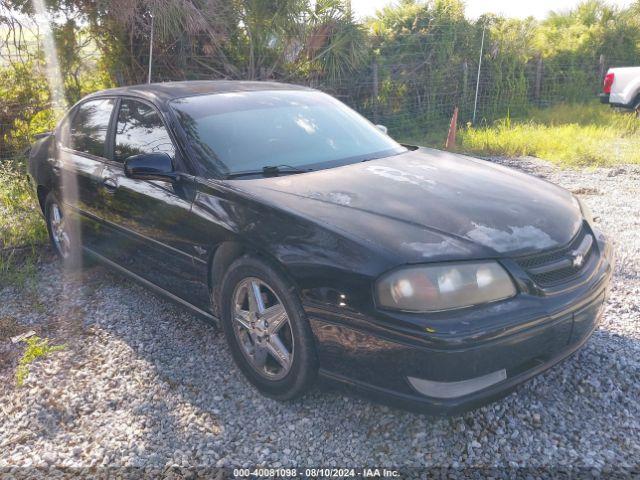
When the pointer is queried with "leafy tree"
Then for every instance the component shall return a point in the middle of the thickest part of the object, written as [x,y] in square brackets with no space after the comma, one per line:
[23,110]
[251,39]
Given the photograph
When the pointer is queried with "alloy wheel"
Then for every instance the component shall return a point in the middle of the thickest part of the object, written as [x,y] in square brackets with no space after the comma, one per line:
[262,328]
[59,231]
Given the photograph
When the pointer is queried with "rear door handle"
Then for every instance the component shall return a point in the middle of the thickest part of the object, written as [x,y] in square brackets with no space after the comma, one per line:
[110,184]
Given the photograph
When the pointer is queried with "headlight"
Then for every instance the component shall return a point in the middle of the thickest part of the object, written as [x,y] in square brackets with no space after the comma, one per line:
[445,286]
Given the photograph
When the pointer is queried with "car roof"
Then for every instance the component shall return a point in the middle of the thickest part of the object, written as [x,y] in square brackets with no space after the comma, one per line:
[167,91]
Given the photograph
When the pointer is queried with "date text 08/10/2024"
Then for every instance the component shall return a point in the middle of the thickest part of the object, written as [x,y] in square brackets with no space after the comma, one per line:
[316,473]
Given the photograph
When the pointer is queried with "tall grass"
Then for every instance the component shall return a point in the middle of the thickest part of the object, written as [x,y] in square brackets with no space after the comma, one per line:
[583,134]
[22,229]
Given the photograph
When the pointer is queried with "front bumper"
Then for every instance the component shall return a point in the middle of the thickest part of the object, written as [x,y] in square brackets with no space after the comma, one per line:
[461,370]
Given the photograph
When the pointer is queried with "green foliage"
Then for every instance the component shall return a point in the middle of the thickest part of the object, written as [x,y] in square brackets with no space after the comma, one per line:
[242,39]
[22,229]
[18,267]
[27,76]
[420,49]
[592,27]
[426,51]
[25,97]
[427,54]
[584,135]
[36,348]
[339,44]
[76,49]
[20,217]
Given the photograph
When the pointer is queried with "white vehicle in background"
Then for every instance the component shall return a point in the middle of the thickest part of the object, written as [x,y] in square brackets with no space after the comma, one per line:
[621,88]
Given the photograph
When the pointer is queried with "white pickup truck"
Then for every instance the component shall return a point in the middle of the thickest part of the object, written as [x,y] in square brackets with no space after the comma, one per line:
[621,88]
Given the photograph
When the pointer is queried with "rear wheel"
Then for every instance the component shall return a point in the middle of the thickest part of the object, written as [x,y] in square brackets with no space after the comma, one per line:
[63,233]
[266,329]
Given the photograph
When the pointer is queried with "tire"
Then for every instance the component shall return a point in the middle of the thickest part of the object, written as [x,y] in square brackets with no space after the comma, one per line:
[58,226]
[273,379]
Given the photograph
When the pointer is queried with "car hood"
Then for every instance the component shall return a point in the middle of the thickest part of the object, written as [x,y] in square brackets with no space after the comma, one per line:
[431,204]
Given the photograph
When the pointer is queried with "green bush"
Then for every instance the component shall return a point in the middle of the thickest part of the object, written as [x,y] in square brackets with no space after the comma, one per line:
[22,228]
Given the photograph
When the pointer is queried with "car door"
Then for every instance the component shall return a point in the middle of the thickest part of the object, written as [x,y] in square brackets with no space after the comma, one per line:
[147,223]
[81,150]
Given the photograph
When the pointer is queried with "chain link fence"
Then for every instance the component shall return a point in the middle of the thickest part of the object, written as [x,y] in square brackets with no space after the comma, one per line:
[413,92]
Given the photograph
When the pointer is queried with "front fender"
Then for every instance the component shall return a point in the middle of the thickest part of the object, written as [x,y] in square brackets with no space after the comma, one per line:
[315,256]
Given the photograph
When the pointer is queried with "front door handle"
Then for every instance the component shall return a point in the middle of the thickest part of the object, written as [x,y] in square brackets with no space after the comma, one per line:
[110,184]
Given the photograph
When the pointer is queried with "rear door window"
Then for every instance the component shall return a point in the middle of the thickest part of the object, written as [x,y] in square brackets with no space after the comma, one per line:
[89,126]
[140,130]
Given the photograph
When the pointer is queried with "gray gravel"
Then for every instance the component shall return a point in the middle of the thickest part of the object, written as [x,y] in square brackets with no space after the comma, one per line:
[144,383]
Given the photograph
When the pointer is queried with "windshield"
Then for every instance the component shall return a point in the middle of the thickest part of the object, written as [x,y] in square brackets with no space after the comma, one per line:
[247,131]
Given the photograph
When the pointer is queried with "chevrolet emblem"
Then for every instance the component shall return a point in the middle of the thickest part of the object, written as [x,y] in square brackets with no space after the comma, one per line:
[578,260]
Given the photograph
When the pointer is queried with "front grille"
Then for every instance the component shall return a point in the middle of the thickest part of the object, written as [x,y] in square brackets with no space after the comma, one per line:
[558,266]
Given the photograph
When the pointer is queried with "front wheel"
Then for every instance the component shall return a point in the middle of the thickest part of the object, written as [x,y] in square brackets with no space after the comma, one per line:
[266,329]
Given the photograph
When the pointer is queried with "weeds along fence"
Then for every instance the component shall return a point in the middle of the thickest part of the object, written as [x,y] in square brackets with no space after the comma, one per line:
[416,97]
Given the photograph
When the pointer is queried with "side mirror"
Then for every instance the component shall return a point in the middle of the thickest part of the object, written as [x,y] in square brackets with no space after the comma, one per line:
[382,128]
[150,166]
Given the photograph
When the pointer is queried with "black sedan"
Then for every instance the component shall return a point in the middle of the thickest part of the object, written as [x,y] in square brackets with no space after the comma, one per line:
[322,246]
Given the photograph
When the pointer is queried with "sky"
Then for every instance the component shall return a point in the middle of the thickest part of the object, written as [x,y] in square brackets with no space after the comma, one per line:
[475,8]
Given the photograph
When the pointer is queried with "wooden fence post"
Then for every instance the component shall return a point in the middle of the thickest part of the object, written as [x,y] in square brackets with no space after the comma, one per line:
[453,128]
[536,91]
[601,70]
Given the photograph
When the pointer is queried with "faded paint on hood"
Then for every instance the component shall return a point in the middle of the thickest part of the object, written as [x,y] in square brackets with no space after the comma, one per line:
[431,204]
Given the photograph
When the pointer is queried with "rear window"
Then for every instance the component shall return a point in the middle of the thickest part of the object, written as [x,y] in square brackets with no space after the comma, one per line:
[89,126]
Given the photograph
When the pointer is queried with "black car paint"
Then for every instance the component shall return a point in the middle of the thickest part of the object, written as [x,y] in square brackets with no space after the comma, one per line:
[333,233]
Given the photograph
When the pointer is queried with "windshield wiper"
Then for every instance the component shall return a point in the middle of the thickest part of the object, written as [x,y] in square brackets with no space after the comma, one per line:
[270,171]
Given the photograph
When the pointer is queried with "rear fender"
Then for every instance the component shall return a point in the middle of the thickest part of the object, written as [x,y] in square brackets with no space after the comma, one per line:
[38,167]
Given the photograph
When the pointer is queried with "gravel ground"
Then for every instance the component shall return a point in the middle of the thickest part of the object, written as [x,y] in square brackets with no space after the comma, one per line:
[143,383]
